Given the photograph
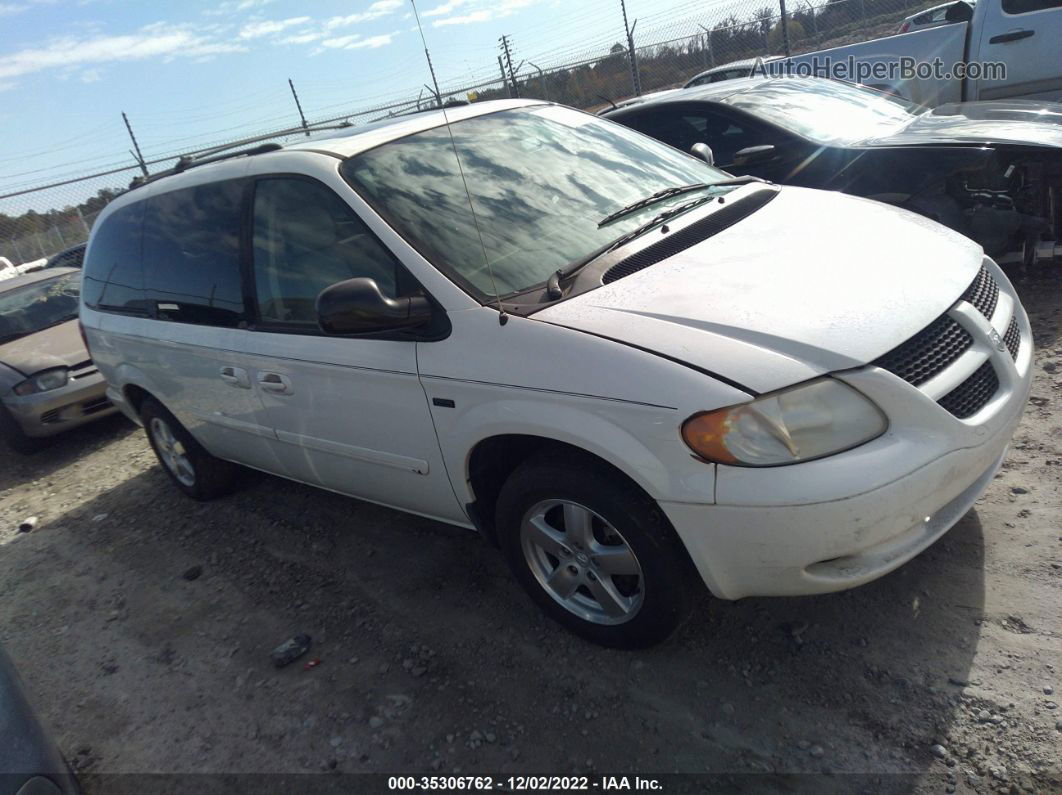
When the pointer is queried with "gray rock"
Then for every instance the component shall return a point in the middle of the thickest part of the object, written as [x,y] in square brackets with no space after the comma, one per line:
[938,750]
[375,722]
[816,751]
[1019,490]
[194,573]
[1048,690]
[290,650]
[984,716]
[27,524]
[1050,367]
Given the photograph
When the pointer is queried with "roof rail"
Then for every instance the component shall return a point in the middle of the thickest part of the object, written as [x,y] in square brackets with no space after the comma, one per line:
[216,154]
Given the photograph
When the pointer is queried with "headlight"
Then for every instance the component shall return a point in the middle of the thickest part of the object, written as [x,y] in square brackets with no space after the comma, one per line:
[43,381]
[809,421]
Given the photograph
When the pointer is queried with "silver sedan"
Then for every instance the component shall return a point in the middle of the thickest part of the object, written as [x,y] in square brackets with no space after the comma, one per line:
[48,383]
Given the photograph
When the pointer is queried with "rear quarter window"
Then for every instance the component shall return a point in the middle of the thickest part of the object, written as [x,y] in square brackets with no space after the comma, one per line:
[192,254]
[112,271]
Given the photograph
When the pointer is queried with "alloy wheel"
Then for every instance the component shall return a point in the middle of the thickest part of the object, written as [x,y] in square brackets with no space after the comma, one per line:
[172,452]
[582,562]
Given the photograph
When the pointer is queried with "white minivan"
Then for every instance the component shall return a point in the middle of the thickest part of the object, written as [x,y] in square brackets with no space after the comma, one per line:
[628,369]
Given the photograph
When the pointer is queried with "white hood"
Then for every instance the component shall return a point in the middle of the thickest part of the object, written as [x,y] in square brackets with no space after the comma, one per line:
[811,283]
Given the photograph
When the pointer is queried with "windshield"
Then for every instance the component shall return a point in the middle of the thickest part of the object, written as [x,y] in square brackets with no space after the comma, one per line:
[29,309]
[824,111]
[540,179]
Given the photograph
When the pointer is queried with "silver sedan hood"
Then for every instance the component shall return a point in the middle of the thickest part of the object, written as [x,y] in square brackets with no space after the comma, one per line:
[1014,122]
[811,283]
[57,346]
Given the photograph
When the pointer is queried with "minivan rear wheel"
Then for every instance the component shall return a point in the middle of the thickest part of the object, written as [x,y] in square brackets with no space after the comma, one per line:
[195,471]
[598,555]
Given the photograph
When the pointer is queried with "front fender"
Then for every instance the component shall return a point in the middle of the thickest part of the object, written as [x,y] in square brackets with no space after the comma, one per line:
[641,441]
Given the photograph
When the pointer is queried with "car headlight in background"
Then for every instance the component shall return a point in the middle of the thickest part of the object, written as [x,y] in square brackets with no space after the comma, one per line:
[43,381]
[809,421]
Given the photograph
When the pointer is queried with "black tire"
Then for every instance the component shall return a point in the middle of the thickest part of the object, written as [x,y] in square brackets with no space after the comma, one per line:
[12,434]
[668,583]
[211,477]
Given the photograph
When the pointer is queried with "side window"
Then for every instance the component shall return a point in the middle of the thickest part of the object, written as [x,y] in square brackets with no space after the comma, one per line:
[192,254]
[725,136]
[112,274]
[306,239]
[1025,6]
[670,126]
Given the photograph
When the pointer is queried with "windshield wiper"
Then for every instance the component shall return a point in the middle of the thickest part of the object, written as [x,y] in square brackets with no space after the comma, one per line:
[648,200]
[553,288]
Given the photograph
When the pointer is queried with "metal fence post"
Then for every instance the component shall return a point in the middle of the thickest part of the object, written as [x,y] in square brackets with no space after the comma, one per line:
[81,218]
[785,28]
[636,78]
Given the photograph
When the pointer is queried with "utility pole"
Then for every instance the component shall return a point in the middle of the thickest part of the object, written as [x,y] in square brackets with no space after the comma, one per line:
[139,157]
[636,78]
[505,78]
[509,60]
[302,116]
[785,28]
[708,46]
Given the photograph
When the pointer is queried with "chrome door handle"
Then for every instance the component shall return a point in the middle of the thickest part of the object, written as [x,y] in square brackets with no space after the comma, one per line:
[276,383]
[235,376]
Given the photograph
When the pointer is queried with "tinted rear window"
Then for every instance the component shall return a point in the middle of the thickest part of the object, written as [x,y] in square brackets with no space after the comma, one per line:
[112,278]
[192,254]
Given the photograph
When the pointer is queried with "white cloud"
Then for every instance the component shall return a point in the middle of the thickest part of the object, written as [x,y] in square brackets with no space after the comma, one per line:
[255,30]
[236,6]
[303,37]
[357,41]
[445,8]
[90,76]
[495,10]
[380,8]
[373,42]
[475,16]
[11,8]
[159,40]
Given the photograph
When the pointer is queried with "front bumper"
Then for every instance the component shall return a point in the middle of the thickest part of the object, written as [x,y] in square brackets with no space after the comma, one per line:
[82,400]
[845,520]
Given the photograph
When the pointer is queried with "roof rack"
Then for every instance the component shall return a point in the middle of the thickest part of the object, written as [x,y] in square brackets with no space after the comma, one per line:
[220,153]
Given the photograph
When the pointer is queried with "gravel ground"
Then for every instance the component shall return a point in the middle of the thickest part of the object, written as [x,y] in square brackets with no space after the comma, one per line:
[942,676]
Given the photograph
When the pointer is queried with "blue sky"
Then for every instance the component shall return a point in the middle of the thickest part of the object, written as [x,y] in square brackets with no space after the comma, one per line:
[191,73]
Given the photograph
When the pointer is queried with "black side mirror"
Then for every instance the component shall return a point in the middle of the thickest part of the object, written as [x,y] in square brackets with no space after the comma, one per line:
[704,152]
[754,154]
[357,306]
[959,12]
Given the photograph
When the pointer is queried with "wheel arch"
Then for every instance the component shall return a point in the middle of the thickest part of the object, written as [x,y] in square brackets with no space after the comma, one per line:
[493,459]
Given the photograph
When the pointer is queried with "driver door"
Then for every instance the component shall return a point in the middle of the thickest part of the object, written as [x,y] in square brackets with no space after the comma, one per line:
[349,413]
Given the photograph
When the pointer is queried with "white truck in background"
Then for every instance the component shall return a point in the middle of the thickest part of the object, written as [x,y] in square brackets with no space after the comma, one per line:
[1025,36]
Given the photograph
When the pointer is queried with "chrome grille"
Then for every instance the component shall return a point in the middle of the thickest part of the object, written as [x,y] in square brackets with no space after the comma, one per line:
[927,353]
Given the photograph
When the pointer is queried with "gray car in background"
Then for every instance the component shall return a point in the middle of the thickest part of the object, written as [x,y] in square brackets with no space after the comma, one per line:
[48,383]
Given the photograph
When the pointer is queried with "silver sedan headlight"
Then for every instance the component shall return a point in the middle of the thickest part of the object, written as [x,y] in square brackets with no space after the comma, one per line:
[44,381]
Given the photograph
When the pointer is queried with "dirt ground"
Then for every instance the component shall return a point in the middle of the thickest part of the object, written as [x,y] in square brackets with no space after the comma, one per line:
[434,662]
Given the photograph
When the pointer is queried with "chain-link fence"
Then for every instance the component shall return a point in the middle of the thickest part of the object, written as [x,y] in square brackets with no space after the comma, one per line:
[660,51]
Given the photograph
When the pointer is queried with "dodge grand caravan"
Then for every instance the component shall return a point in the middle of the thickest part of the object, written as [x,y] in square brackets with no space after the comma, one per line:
[628,369]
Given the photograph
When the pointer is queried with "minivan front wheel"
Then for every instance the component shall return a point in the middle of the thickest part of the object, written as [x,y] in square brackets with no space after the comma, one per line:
[597,555]
[197,473]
